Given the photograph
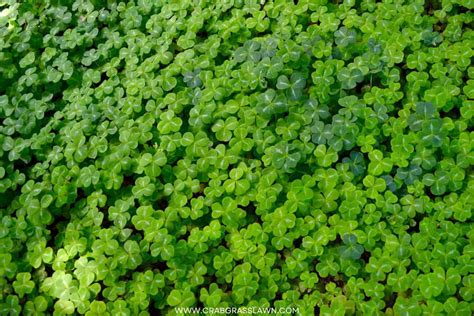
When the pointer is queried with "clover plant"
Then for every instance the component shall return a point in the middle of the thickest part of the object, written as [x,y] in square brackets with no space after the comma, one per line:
[313,154]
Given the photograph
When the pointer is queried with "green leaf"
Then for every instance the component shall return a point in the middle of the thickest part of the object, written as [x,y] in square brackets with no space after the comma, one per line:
[23,284]
[27,60]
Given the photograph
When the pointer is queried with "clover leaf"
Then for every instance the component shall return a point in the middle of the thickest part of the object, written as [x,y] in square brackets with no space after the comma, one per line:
[293,86]
[351,248]
[350,77]
[23,284]
[285,156]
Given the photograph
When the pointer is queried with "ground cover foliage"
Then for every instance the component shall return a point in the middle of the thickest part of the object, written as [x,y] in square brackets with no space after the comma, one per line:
[161,154]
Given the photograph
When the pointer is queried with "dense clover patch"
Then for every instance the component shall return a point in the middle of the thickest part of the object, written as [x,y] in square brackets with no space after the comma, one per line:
[315,154]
